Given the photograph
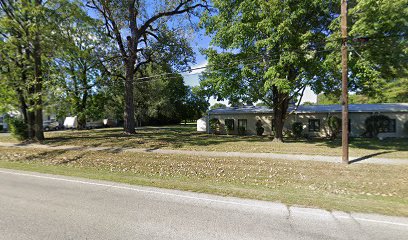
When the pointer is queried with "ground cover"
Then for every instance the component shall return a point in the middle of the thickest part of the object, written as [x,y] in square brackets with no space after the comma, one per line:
[359,187]
[186,138]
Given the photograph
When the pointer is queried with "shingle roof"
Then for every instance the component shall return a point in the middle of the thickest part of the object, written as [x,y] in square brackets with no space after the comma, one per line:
[380,107]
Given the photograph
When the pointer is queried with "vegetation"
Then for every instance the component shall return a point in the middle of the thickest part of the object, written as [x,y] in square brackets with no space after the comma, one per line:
[406,126]
[18,128]
[55,57]
[215,125]
[273,31]
[358,188]
[334,124]
[155,36]
[296,45]
[185,137]
[218,105]
[259,128]
[297,129]
[375,124]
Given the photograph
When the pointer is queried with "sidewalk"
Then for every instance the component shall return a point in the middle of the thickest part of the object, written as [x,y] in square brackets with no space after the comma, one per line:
[280,156]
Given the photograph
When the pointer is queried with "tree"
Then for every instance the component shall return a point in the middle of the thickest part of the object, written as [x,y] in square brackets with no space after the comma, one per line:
[377,46]
[26,28]
[274,49]
[218,105]
[78,70]
[141,34]
[194,106]
[394,91]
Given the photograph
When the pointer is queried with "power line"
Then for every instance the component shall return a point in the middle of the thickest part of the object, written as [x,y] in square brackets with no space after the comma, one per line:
[241,62]
[261,58]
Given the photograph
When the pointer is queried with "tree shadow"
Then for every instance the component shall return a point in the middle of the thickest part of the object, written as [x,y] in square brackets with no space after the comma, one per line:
[181,136]
[368,156]
[42,155]
[392,144]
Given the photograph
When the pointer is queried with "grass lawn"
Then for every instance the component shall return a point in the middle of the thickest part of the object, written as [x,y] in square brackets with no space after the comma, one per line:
[359,188]
[186,138]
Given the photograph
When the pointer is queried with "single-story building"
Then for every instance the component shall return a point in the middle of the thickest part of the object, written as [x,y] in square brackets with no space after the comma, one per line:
[313,117]
[3,124]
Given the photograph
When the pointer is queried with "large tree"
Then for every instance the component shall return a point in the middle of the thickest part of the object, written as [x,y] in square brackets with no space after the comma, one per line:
[78,72]
[141,30]
[272,49]
[378,49]
[24,26]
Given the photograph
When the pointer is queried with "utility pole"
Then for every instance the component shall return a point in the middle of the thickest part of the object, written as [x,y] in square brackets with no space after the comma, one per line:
[344,73]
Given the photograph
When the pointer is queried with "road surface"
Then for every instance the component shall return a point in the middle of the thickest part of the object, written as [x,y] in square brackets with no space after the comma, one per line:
[40,206]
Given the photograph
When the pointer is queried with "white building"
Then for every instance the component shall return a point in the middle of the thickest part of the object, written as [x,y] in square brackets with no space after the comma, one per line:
[313,117]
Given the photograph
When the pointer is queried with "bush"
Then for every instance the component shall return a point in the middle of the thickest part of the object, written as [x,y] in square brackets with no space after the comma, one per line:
[297,129]
[406,126]
[374,125]
[242,131]
[259,128]
[229,125]
[334,126]
[1,128]
[215,125]
[18,128]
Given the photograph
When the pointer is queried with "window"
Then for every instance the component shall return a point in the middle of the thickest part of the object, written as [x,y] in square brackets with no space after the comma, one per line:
[388,126]
[242,123]
[314,125]
[229,124]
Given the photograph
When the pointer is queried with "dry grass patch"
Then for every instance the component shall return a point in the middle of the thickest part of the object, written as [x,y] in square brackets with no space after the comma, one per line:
[360,187]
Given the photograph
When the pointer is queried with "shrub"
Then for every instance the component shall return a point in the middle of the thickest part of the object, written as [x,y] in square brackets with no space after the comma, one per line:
[18,128]
[406,126]
[374,124]
[215,125]
[334,126]
[259,128]
[229,125]
[297,129]
[242,131]
[1,128]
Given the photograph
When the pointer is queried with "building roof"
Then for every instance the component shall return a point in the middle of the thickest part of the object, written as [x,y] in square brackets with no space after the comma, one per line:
[380,107]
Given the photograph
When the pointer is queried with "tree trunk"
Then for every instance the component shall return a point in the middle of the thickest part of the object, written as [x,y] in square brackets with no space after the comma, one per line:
[129,114]
[280,108]
[31,113]
[38,123]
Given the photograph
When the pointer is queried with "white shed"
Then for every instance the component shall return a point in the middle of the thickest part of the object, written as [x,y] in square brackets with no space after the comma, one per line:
[71,122]
[202,124]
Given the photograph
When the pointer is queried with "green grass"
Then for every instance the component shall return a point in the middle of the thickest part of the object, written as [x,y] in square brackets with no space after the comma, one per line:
[186,138]
[359,188]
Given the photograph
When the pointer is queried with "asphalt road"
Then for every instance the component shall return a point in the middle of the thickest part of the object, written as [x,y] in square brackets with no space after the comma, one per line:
[39,206]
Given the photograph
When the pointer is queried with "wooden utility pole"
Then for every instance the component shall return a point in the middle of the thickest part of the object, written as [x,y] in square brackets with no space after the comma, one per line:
[344,103]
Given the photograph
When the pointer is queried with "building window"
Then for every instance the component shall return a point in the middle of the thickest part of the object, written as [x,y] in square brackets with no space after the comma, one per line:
[242,123]
[314,125]
[389,126]
[229,123]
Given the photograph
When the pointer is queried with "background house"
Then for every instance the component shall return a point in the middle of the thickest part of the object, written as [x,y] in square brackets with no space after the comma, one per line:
[313,117]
